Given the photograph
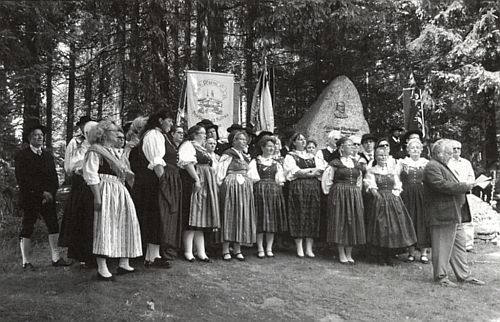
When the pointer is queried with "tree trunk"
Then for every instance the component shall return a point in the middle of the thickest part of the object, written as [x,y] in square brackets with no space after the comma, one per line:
[48,94]
[201,43]
[135,63]
[100,97]
[491,147]
[253,12]
[174,33]
[31,92]
[88,89]
[187,34]
[215,26]
[71,94]
[120,67]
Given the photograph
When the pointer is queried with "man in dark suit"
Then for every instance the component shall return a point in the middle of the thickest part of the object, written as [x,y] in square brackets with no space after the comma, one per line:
[445,209]
[396,146]
[37,179]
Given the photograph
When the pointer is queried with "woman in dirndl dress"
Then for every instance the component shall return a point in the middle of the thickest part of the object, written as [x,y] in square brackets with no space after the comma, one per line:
[342,181]
[411,172]
[390,227]
[116,228]
[200,202]
[303,201]
[237,210]
[268,177]
[78,218]
[157,190]
[211,147]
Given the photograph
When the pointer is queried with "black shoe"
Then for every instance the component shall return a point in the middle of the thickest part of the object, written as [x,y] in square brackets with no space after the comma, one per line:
[88,265]
[158,263]
[60,263]
[239,256]
[123,271]
[474,281]
[105,279]
[191,260]
[204,260]
[28,267]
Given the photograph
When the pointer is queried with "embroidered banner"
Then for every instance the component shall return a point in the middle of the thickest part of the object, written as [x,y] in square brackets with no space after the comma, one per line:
[210,96]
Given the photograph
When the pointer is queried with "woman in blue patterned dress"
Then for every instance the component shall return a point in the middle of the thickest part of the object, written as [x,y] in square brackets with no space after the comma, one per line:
[200,202]
[303,201]
[342,181]
[237,211]
[267,173]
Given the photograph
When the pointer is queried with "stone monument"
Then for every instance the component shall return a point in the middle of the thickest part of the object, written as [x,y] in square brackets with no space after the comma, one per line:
[337,108]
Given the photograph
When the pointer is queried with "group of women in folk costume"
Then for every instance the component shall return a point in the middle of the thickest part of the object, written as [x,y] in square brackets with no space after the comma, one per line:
[181,189]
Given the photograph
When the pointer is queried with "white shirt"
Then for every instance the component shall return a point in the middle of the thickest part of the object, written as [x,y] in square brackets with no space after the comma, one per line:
[462,168]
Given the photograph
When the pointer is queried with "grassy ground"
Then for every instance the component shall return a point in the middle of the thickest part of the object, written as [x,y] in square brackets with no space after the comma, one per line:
[284,288]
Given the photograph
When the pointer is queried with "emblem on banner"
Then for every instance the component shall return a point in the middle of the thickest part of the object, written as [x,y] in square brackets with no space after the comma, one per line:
[210,96]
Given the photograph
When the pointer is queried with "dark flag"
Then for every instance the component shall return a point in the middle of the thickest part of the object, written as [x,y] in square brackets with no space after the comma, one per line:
[413,108]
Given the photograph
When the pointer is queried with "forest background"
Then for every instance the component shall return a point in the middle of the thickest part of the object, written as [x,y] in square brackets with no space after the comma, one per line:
[60,60]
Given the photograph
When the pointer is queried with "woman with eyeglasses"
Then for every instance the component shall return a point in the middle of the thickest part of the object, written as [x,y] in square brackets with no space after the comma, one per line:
[157,189]
[342,181]
[268,177]
[116,228]
[178,134]
[390,225]
[411,170]
[237,209]
[200,201]
[356,147]
[303,171]
[383,143]
[120,144]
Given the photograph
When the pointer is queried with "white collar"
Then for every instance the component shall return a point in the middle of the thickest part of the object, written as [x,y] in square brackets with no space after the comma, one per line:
[36,150]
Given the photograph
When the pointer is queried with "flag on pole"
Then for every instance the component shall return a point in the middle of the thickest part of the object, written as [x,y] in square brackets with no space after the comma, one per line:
[413,109]
[261,114]
[182,108]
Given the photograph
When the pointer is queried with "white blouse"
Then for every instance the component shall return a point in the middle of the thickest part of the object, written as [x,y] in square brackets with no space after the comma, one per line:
[153,146]
[253,172]
[291,168]
[328,175]
[187,154]
[404,164]
[91,168]
[371,183]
